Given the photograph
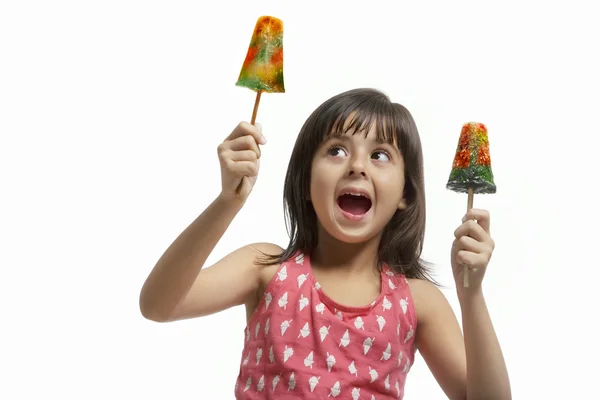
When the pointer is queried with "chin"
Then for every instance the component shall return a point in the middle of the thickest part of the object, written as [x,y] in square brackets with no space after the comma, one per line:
[350,231]
[353,239]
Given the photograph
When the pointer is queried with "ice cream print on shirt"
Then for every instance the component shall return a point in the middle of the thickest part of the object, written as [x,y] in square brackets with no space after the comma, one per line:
[302,344]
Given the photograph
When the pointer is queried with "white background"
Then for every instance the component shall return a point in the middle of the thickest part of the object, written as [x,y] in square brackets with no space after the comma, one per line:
[110,115]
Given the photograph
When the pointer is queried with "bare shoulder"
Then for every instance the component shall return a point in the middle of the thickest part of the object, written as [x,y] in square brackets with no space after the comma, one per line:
[263,248]
[233,280]
[427,298]
[431,305]
[439,338]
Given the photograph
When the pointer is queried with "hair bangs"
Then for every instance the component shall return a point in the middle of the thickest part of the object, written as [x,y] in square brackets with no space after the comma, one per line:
[362,118]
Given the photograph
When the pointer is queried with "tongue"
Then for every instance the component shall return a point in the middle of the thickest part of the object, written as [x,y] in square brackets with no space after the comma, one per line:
[356,205]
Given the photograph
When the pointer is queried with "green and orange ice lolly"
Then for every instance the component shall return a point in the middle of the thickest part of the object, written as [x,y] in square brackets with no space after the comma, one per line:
[472,168]
[262,70]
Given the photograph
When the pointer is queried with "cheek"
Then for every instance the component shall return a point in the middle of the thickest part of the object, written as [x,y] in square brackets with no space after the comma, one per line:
[391,183]
[317,183]
[323,173]
[318,187]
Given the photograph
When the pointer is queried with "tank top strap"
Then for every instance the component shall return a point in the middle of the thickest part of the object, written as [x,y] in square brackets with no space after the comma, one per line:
[293,271]
[399,288]
[296,268]
[392,280]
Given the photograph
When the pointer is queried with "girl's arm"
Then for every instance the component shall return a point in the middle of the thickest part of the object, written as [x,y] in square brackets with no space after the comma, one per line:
[487,376]
[439,339]
[178,287]
[470,368]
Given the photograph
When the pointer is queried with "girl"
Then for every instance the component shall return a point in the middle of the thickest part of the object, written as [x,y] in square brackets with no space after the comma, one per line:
[342,309]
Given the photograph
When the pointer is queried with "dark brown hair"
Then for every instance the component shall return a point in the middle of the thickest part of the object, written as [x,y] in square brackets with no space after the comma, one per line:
[356,111]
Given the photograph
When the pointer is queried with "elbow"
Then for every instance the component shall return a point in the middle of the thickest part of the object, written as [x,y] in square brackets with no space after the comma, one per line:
[150,310]
[150,315]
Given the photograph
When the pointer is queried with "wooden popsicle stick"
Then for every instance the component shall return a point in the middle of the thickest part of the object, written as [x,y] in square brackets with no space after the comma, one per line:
[253,120]
[466,267]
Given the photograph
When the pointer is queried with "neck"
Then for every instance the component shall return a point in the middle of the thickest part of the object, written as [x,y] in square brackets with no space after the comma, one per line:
[354,257]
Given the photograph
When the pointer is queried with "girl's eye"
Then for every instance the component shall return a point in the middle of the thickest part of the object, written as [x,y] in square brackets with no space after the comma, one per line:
[380,156]
[336,151]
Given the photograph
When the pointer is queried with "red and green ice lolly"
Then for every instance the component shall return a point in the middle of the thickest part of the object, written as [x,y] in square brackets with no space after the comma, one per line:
[472,168]
[262,70]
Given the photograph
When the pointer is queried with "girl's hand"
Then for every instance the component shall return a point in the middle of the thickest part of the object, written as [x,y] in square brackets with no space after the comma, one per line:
[239,156]
[473,247]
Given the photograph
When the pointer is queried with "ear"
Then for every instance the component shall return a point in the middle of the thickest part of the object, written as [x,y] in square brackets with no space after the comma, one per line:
[402,204]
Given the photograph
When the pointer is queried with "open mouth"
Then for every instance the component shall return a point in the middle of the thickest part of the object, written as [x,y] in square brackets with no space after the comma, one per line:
[354,203]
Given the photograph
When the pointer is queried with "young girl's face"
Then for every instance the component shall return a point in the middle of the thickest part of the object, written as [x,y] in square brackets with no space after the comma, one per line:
[357,184]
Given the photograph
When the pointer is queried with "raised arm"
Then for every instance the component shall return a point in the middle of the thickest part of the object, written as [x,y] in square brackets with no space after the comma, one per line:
[177,287]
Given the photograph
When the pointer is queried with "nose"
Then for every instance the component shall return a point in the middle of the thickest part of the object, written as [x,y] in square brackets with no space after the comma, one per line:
[357,167]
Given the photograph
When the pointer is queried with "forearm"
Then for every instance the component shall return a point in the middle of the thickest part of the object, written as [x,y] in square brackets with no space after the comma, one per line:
[177,269]
[487,376]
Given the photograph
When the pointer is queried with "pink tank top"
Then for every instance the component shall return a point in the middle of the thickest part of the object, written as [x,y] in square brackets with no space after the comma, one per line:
[300,344]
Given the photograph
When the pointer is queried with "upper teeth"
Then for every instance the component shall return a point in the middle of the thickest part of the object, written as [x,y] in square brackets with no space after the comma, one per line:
[355,194]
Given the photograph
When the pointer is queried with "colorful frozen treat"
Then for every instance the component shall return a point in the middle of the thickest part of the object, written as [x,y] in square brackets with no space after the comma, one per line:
[263,67]
[472,166]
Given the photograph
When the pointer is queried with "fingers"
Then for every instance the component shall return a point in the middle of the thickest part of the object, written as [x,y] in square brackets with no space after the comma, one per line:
[472,229]
[471,252]
[243,168]
[239,156]
[469,244]
[242,143]
[244,129]
[244,155]
[243,137]
[472,260]
[243,148]
[481,216]
[472,246]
